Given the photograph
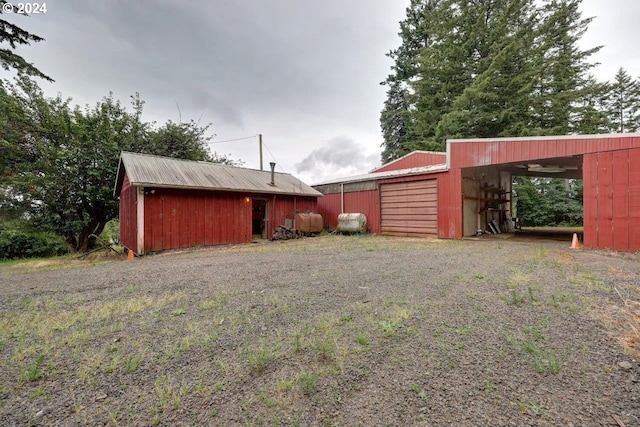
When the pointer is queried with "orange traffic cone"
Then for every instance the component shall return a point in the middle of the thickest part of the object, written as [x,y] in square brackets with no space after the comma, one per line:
[131,256]
[575,244]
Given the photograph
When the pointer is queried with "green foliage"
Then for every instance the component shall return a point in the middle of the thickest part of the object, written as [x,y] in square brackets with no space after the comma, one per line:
[15,36]
[18,241]
[548,201]
[58,162]
[308,381]
[488,69]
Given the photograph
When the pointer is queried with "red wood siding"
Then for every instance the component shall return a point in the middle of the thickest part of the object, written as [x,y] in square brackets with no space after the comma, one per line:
[365,202]
[409,208]
[128,214]
[414,160]
[180,219]
[612,200]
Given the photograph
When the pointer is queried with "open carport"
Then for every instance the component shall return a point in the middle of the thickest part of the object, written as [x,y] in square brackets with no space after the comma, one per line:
[473,184]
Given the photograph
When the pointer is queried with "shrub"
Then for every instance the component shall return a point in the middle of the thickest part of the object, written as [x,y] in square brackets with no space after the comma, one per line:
[24,243]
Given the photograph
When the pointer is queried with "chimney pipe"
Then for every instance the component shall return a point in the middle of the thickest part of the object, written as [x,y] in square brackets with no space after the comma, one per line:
[273,168]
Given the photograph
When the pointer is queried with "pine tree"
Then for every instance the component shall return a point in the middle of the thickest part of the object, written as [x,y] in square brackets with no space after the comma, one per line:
[623,103]
[562,68]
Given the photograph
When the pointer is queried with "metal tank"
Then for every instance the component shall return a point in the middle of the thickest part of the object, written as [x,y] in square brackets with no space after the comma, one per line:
[352,223]
[309,223]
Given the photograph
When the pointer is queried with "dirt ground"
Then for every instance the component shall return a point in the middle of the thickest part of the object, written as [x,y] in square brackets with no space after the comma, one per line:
[326,331]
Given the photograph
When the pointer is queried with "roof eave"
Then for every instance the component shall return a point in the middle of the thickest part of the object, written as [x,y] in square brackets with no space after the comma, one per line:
[230,190]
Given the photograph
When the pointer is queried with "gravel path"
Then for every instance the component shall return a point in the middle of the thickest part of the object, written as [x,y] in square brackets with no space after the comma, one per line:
[326,331]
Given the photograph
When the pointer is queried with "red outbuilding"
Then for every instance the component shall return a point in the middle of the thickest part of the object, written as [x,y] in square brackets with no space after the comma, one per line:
[470,188]
[167,203]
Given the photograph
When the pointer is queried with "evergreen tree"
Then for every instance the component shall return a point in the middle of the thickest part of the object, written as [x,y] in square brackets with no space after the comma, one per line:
[623,103]
[14,36]
[488,68]
[591,115]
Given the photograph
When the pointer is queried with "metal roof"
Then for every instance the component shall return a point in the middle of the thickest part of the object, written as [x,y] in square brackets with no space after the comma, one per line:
[388,174]
[144,170]
[438,153]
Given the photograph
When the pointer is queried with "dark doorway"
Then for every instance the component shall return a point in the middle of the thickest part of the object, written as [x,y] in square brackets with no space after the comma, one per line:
[258,219]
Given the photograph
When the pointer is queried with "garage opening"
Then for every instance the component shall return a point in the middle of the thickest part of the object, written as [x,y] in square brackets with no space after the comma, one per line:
[541,198]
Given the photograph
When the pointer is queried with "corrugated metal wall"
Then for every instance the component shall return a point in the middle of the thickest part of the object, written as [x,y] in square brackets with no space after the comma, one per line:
[365,202]
[479,153]
[128,214]
[414,160]
[612,200]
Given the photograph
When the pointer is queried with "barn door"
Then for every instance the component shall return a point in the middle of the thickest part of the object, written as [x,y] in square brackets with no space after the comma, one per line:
[410,208]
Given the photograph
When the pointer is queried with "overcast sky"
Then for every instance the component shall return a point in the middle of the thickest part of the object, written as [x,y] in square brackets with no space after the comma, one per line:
[303,73]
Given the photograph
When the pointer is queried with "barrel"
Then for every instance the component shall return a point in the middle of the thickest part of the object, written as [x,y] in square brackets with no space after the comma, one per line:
[309,222]
[352,223]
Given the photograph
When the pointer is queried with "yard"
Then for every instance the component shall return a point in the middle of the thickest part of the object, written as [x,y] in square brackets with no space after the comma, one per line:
[325,331]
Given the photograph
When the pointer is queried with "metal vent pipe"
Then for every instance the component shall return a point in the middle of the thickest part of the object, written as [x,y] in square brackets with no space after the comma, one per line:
[273,173]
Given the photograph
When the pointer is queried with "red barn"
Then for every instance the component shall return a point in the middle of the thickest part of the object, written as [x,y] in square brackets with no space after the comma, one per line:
[471,186]
[168,203]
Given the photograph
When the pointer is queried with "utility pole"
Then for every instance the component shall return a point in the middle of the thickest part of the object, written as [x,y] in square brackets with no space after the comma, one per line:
[260,139]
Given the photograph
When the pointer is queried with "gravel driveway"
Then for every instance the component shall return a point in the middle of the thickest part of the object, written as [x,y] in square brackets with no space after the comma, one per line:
[326,331]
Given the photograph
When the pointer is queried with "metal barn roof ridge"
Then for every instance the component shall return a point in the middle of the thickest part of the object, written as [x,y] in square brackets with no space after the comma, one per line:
[387,174]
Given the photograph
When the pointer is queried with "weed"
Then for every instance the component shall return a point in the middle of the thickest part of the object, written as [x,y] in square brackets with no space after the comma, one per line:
[346,318]
[532,297]
[218,301]
[38,393]
[389,327]
[131,289]
[284,385]
[34,371]
[419,392]
[324,348]
[178,312]
[308,381]
[132,363]
[259,359]
[478,276]
[529,347]
[297,343]
[515,298]
[363,340]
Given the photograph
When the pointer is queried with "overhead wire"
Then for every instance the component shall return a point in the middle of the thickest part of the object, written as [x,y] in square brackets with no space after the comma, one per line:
[231,140]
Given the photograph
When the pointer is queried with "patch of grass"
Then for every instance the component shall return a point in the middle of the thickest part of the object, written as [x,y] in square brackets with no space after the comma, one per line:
[178,312]
[515,298]
[389,327]
[592,282]
[259,359]
[33,372]
[325,348]
[219,301]
[132,363]
[363,340]
[284,385]
[308,381]
[131,289]
[297,343]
